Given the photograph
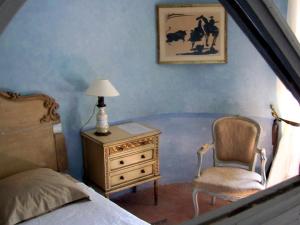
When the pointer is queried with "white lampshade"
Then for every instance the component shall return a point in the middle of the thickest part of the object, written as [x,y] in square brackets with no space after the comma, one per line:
[102,88]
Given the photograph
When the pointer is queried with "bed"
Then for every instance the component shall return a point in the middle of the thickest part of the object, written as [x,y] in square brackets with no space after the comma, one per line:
[32,142]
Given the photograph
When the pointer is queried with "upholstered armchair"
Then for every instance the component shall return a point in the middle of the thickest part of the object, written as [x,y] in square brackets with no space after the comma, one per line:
[235,151]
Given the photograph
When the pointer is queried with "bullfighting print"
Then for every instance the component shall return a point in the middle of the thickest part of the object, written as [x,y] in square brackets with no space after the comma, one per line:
[192,33]
[202,38]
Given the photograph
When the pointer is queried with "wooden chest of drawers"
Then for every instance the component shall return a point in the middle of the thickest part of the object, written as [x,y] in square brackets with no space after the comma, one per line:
[121,160]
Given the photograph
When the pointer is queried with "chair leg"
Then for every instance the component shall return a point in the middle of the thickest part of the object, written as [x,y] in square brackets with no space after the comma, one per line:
[195,201]
[213,200]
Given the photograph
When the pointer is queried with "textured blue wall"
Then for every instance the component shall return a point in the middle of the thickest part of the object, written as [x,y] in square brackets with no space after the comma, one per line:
[59,46]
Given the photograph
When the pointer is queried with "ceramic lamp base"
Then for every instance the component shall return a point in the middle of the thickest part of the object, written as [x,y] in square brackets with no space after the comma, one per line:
[102,126]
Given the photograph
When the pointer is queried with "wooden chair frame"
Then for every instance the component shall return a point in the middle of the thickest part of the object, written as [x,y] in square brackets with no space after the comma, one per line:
[206,147]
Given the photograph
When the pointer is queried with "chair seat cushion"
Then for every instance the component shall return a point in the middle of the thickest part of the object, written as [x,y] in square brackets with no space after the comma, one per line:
[229,181]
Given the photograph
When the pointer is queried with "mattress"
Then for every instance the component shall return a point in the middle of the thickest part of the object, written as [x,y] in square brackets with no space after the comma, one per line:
[98,211]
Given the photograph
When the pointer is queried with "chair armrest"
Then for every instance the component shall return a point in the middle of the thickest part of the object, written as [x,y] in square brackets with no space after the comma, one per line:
[204,148]
[263,160]
[201,151]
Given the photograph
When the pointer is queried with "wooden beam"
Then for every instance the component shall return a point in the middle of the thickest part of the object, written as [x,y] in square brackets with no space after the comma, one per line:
[8,8]
[259,203]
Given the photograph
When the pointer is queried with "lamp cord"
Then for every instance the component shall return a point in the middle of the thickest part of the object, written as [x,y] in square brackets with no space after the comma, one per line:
[91,116]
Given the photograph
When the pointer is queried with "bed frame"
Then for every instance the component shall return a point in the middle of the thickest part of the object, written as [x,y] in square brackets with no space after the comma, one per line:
[30,134]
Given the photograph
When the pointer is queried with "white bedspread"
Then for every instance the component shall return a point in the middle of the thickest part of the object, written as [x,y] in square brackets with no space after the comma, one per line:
[98,211]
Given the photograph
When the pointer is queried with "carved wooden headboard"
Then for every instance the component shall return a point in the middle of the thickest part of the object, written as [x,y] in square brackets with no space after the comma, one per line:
[29,134]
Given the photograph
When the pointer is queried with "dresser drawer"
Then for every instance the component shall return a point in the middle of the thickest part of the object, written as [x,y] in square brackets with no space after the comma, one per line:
[131,175]
[133,145]
[119,162]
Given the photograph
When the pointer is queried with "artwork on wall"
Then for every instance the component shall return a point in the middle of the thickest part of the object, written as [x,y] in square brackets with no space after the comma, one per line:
[192,33]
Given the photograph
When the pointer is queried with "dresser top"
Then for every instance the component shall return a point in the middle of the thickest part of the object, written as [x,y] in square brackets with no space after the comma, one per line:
[122,132]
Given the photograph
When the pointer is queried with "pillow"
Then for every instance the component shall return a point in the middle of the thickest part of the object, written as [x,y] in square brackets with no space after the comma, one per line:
[34,192]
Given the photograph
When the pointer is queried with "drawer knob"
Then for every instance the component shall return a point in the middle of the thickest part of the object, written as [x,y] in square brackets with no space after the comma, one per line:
[143,156]
[143,171]
[121,177]
[121,162]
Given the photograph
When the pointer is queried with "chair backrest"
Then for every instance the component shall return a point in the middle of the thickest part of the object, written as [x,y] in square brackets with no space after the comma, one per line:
[235,140]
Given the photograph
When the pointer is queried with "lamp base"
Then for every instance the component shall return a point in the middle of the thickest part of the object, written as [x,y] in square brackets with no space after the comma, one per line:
[102,134]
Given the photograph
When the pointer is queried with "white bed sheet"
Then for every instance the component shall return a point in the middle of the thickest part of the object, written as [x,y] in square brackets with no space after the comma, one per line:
[98,211]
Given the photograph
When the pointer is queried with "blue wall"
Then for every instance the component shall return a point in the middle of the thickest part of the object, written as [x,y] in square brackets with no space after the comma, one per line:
[59,46]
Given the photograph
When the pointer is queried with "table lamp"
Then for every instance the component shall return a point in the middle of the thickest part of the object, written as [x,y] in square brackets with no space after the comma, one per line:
[102,88]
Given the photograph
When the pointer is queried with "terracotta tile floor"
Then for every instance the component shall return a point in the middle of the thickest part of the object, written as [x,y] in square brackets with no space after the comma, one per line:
[174,204]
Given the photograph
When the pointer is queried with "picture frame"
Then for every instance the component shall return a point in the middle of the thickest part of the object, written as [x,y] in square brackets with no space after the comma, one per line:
[191,33]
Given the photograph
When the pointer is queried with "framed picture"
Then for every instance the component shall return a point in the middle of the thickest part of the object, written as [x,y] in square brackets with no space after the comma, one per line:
[192,33]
